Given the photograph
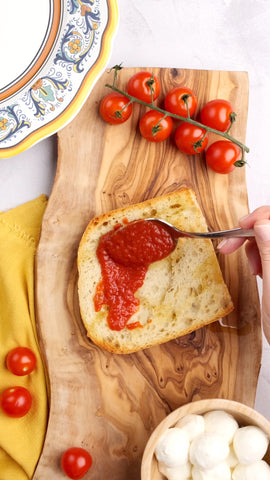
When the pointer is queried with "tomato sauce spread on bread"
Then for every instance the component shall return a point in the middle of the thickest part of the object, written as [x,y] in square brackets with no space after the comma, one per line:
[124,254]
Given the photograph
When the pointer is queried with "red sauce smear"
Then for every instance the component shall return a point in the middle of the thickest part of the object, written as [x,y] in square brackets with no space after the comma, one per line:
[124,255]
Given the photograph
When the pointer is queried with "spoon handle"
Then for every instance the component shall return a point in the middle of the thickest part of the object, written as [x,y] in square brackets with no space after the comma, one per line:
[235,232]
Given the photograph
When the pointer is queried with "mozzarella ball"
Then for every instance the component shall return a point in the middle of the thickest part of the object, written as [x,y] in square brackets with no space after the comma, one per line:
[192,424]
[255,471]
[182,472]
[221,471]
[208,449]
[250,444]
[173,447]
[221,422]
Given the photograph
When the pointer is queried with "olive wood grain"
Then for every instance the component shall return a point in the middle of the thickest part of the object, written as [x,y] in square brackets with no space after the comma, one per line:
[110,404]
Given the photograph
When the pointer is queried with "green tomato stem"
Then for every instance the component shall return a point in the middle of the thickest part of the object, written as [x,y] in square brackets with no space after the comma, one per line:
[232,119]
[225,135]
[116,69]
[157,127]
[120,111]
[185,99]
[150,83]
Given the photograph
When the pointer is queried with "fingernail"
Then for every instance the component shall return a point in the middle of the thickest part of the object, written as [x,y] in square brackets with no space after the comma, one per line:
[263,232]
[222,243]
[227,242]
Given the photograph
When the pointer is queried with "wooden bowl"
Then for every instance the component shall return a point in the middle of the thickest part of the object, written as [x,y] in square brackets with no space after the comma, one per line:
[243,415]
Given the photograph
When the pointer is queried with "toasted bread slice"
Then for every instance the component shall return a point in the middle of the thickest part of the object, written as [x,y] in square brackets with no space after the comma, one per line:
[180,293]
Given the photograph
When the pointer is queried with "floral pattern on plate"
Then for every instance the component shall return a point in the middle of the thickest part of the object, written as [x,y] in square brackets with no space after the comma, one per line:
[55,94]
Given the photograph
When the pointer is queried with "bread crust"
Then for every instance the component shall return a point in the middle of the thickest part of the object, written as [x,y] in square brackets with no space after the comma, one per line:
[181,293]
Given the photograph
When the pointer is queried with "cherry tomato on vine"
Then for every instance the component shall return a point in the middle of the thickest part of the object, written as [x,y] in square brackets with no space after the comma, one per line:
[221,156]
[76,462]
[218,114]
[139,86]
[175,101]
[16,401]
[21,361]
[154,127]
[115,108]
[190,138]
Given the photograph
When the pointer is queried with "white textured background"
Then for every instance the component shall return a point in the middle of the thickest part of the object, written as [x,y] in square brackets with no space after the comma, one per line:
[203,34]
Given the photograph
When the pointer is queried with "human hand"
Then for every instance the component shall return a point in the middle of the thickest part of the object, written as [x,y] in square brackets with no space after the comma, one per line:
[258,253]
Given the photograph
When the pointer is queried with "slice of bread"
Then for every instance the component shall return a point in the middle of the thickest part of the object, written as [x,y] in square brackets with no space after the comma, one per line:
[180,293]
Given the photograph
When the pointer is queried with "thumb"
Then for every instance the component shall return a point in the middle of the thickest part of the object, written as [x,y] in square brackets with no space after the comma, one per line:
[262,233]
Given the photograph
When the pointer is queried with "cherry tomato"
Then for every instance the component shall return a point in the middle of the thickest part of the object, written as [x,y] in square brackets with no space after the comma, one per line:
[222,155]
[138,86]
[155,127]
[21,361]
[174,101]
[75,462]
[217,114]
[190,138]
[16,401]
[114,108]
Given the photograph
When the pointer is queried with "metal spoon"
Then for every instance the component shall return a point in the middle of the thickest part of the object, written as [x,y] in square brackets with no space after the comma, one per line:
[176,233]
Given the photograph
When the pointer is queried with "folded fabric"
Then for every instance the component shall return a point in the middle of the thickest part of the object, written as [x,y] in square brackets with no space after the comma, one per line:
[21,439]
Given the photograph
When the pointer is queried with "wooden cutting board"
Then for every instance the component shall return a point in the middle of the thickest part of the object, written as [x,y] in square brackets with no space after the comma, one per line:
[110,404]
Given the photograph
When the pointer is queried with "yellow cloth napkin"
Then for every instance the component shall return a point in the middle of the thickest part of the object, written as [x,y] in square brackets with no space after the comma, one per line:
[21,439]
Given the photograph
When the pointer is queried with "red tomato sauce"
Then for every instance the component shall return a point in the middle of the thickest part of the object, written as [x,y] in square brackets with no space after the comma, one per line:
[124,255]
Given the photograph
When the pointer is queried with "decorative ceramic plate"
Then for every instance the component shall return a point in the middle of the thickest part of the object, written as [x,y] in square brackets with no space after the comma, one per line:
[52,56]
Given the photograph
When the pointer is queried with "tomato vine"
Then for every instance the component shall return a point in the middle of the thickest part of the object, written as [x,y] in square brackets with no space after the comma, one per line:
[132,99]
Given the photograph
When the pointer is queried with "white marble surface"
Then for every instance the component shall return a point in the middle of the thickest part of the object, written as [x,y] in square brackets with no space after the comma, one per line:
[208,34]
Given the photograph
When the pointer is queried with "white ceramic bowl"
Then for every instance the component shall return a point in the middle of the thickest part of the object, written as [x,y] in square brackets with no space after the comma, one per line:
[243,415]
